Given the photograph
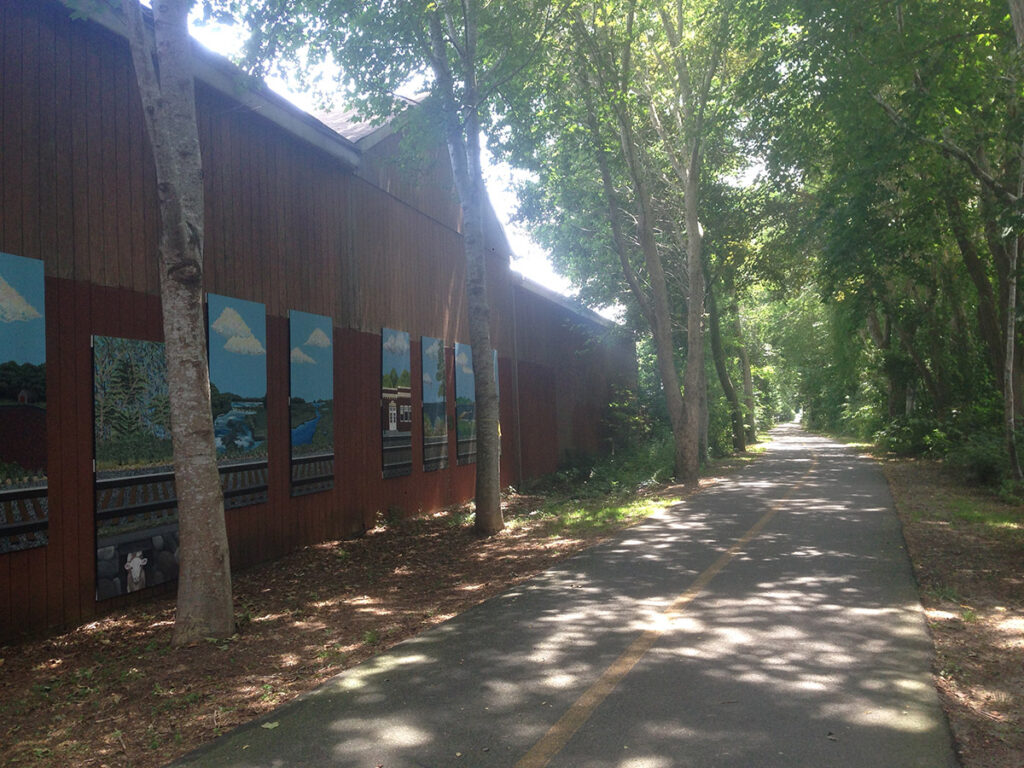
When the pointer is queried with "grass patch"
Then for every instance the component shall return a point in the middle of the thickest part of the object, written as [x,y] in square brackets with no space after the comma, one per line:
[985,513]
[588,518]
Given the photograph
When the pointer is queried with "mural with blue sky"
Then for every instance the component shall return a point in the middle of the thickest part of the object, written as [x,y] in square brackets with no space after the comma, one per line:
[22,310]
[238,346]
[311,401]
[394,352]
[238,392]
[23,454]
[312,356]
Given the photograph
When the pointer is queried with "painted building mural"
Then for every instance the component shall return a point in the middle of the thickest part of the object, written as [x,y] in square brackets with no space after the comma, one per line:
[135,505]
[24,509]
[311,402]
[396,403]
[238,392]
[435,412]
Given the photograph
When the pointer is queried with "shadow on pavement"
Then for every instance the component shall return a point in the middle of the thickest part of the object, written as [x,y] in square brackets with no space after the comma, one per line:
[808,649]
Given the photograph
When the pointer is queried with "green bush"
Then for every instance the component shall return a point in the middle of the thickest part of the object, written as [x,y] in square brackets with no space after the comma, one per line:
[649,460]
[914,436]
[982,459]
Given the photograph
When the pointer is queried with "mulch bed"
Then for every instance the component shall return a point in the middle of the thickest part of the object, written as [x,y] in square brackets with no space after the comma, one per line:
[971,579]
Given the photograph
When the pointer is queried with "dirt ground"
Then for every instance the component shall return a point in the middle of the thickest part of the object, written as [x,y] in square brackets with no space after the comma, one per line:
[967,547]
[114,693]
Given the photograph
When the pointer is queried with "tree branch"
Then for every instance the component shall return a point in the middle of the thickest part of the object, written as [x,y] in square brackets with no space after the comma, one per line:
[950,149]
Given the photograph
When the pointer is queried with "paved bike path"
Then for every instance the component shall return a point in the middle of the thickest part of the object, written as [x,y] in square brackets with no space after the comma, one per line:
[803,644]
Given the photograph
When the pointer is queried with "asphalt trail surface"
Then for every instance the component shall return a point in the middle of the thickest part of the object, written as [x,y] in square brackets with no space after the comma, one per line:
[771,620]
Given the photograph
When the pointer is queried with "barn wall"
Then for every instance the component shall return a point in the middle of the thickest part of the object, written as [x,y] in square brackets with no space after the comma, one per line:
[287,226]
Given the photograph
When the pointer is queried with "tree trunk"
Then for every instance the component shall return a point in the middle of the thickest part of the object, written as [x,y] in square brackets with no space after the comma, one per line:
[1010,418]
[718,353]
[1017,14]
[462,134]
[204,606]
[703,441]
[987,311]
[748,382]
[657,307]
[694,320]
[1010,390]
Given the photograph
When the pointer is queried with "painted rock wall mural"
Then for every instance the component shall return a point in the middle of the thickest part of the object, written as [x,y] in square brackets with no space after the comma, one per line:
[465,405]
[311,402]
[24,509]
[396,403]
[238,391]
[136,509]
[435,414]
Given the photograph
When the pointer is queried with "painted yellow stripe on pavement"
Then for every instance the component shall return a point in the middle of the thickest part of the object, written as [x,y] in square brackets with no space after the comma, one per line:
[559,734]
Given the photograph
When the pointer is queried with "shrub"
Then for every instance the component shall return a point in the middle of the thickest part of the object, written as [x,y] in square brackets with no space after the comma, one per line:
[982,459]
[914,436]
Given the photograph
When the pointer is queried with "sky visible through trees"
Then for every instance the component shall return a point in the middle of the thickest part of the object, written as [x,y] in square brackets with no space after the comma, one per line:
[845,183]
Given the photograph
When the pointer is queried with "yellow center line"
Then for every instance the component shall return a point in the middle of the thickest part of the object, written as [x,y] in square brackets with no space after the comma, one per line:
[559,734]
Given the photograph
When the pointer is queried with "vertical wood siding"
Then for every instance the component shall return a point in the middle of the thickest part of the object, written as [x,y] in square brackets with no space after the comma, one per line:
[286,226]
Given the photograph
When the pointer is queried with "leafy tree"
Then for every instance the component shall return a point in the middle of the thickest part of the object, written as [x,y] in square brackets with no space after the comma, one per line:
[163,68]
[899,124]
[617,127]
[463,54]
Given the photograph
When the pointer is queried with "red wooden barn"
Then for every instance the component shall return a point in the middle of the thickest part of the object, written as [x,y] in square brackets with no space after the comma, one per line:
[299,216]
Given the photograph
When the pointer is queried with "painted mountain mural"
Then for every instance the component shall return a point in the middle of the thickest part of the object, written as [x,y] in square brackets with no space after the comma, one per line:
[311,402]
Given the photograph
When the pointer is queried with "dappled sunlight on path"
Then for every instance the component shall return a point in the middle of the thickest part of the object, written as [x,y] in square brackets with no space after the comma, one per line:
[802,643]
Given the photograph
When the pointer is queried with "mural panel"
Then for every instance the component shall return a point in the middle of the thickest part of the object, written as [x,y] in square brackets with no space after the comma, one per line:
[311,402]
[238,391]
[24,509]
[135,505]
[465,405]
[435,414]
[396,403]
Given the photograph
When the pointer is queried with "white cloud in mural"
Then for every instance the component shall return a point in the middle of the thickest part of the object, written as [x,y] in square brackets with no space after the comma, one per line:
[240,338]
[230,323]
[300,357]
[13,307]
[245,345]
[433,349]
[397,343]
[462,360]
[318,339]
[427,378]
